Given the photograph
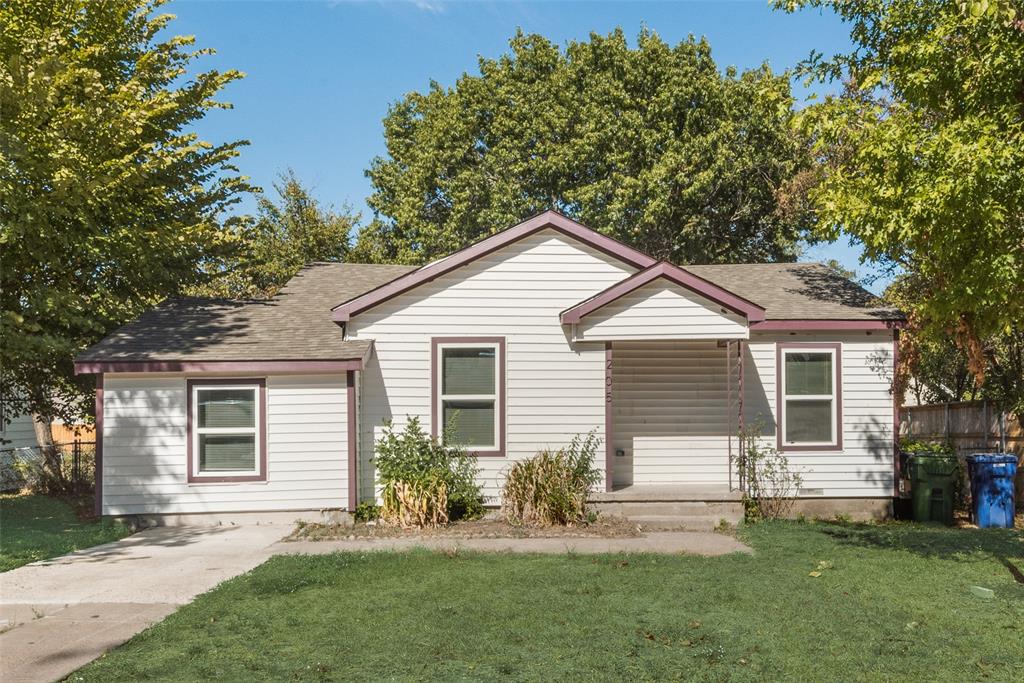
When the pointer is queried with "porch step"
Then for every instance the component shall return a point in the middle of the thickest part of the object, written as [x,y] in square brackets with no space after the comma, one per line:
[695,515]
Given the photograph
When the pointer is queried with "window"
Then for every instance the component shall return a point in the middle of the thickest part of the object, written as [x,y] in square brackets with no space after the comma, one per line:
[809,397]
[227,422]
[468,392]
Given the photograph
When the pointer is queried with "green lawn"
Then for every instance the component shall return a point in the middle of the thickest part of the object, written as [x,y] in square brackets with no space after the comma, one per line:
[891,603]
[36,528]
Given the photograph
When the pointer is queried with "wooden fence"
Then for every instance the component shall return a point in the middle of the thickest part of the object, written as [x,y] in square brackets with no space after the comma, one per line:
[969,427]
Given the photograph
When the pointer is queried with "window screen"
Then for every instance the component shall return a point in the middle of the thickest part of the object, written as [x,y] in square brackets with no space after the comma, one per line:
[225,429]
[469,395]
[809,412]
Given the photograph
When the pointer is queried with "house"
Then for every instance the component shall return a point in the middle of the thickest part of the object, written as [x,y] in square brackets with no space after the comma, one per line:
[542,331]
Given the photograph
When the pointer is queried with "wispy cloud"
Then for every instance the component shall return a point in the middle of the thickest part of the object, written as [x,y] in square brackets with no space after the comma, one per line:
[432,6]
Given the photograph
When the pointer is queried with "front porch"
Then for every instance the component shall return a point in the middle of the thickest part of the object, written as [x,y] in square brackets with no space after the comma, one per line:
[675,417]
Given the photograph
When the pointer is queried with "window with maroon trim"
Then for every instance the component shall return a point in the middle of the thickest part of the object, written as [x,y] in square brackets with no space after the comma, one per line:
[227,431]
[809,397]
[468,392]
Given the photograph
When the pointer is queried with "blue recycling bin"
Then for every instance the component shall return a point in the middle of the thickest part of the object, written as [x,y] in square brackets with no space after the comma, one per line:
[992,499]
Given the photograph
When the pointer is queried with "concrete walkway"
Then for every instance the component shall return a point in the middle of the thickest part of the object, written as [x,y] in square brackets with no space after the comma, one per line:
[60,614]
[666,542]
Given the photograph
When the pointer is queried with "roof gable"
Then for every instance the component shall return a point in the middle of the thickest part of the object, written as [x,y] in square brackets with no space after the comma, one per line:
[662,270]
[549,220]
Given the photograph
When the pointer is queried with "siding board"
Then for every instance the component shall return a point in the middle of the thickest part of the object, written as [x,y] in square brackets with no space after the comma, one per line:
[144,465]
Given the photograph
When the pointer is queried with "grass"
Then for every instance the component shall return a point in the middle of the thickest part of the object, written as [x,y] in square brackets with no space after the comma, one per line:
[891,602]
[37,528]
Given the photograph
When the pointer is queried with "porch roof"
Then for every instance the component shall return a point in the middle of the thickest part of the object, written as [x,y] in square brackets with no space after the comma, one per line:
[671,273]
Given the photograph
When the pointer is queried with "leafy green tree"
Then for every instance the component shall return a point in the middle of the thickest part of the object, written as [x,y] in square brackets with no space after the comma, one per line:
[110,202]
[936,369]
[285,236]
[921,157]
[654,146]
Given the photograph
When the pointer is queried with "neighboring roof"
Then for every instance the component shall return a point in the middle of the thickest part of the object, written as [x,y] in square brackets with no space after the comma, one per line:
[295,325]
[549,220]
[672,273]
[798,291]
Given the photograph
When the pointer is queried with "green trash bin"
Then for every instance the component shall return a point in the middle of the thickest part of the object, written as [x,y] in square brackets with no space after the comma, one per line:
[932,486]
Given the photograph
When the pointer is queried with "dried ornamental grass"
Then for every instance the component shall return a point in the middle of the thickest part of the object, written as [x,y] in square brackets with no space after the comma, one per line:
[551,488]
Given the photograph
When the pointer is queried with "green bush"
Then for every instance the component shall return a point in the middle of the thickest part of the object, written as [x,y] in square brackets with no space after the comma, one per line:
[367,511]
[415,469]
[551,487]
[770,484]
[913,446]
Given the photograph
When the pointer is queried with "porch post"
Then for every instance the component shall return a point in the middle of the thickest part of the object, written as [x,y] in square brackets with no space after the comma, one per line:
[609,420]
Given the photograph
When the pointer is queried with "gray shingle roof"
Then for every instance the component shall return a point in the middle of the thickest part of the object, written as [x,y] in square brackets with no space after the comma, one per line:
[798,291]
[296,324]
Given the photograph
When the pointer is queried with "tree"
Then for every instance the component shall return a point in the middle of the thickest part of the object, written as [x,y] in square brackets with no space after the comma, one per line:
[110,203]
[936,369]
[285,236]
[654,146]
[921,157]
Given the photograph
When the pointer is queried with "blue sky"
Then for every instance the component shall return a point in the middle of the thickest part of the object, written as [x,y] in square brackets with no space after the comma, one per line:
[321,75]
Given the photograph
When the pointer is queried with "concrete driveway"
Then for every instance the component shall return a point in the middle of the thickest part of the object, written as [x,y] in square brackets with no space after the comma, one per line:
[60,614]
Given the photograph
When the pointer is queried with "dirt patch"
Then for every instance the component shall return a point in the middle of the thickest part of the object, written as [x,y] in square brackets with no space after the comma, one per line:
[605,527]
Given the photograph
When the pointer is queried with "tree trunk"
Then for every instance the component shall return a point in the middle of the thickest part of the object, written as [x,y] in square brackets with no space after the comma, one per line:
[52,479]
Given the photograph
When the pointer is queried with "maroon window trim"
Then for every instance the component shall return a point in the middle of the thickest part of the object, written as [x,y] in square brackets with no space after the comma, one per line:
[261,382]
[352,428]
[435,388]
[547,220]
[268,366]
[672,273]
[780,402]
[98,469]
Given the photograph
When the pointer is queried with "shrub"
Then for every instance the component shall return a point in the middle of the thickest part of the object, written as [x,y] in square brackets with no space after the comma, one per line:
[551,487]
[424,483]
[367,511]
[770,485]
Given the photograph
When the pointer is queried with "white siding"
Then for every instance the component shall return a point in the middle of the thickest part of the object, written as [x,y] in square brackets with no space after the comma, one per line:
[662,310]
[672,415]
[144,448]
[554,388]
[865,465]
[18,434]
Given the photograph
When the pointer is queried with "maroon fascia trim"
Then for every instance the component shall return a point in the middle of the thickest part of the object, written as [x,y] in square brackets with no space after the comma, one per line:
[547,220]
[98,469]
[266,366]
[780,402]
[895,415]
[825,325]
[435,388]
[262,438]
[609,421]
[673,273]
[350,406]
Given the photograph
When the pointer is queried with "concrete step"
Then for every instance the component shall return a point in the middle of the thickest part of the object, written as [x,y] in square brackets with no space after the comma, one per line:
[682,509]
[670,523]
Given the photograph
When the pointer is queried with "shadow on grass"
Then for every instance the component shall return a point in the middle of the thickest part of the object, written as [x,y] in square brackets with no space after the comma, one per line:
[1002,545]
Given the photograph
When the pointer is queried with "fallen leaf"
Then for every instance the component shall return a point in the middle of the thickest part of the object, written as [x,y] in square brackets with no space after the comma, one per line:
[814,574]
